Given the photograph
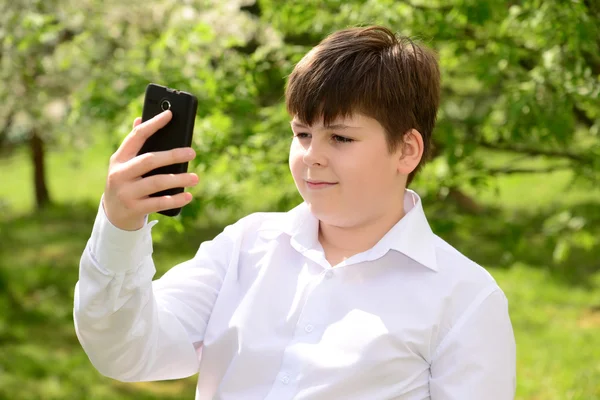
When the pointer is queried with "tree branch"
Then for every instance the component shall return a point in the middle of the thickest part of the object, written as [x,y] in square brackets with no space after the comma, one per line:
[301,39]
[252,9]
[424,7]
[582,117]
[7,123]
[510,171]
[533,152]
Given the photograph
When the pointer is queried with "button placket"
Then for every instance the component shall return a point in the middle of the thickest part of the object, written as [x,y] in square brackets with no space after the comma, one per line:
[284,387]
[312,312]
[307,328]
[285,379]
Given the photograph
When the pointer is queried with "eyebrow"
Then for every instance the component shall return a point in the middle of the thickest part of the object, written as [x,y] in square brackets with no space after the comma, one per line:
[334,126]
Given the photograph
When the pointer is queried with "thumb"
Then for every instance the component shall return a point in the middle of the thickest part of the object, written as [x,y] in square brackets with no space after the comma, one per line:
[137,121]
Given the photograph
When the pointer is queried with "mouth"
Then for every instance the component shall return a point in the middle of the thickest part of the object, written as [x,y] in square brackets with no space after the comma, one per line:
[314,184]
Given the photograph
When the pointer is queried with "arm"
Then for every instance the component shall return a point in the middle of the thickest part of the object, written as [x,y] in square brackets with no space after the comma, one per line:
[477,358]
[133,329]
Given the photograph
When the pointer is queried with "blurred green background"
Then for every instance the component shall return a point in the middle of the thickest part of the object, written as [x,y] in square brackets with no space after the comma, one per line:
[514,183]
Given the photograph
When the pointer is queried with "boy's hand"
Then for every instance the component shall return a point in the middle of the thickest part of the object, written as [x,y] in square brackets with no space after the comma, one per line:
[126,202]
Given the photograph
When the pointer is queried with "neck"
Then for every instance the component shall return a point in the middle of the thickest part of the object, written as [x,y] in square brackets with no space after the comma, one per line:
[358,238]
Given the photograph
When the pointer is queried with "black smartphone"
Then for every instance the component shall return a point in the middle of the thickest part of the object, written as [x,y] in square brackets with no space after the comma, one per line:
[177,133]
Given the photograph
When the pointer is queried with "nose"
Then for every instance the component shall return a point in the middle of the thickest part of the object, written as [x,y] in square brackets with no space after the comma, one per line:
[314,156]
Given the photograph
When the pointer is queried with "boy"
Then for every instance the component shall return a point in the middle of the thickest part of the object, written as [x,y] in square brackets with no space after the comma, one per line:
[347,296]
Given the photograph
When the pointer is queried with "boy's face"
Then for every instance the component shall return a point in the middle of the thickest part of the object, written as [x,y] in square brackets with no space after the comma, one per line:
[345,172]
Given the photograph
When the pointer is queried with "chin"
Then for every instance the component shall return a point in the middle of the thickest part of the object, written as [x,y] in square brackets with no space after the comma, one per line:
[332,215]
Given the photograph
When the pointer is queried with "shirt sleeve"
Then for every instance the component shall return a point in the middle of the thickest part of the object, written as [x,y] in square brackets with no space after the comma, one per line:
[477,358]
[134,329]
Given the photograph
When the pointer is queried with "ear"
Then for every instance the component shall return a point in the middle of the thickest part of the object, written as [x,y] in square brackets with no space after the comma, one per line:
[411,152]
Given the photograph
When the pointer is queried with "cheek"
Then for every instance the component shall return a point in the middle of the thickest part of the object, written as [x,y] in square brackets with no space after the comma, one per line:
[295,159]
[367,168]
[368,179]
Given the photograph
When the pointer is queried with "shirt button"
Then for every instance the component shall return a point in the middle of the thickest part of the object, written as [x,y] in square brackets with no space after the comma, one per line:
[285,379]
[328,275]
[309,328]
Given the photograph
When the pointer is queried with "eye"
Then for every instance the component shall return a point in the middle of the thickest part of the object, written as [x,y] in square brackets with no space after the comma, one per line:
[341,139]
[302,135]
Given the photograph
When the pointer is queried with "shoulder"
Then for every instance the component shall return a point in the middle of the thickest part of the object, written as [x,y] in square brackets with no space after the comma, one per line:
[463,284]
[259,222]
[457,267]
[472,302]
[259,226]
[246,234]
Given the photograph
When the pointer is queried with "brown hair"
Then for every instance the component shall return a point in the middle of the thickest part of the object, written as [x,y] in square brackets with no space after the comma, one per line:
[372,71]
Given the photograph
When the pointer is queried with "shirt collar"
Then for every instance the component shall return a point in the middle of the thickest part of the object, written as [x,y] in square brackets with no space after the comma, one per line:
[411,236]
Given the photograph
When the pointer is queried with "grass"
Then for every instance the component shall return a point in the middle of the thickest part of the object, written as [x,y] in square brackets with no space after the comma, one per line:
[40,357]
[532,191]
[80,176]
[555,307]
[553,323]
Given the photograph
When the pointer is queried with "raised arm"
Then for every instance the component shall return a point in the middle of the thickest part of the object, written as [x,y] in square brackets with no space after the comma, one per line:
[134,329]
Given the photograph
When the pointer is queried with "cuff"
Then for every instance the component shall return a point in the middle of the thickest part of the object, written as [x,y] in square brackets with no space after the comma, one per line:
[116,250]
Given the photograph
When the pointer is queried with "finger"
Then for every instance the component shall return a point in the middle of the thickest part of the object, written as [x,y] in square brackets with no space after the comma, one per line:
[137,137]
[136,122]
[157,183]
[138,166]
[155,204]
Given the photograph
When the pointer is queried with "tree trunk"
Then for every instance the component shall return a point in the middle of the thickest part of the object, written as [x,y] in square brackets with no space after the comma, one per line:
[465,202]
[38,157]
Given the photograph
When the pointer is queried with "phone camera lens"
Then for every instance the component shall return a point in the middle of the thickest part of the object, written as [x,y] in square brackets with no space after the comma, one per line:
[165,105]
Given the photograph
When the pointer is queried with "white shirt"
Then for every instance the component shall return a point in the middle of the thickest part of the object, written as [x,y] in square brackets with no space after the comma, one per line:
[261,314]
